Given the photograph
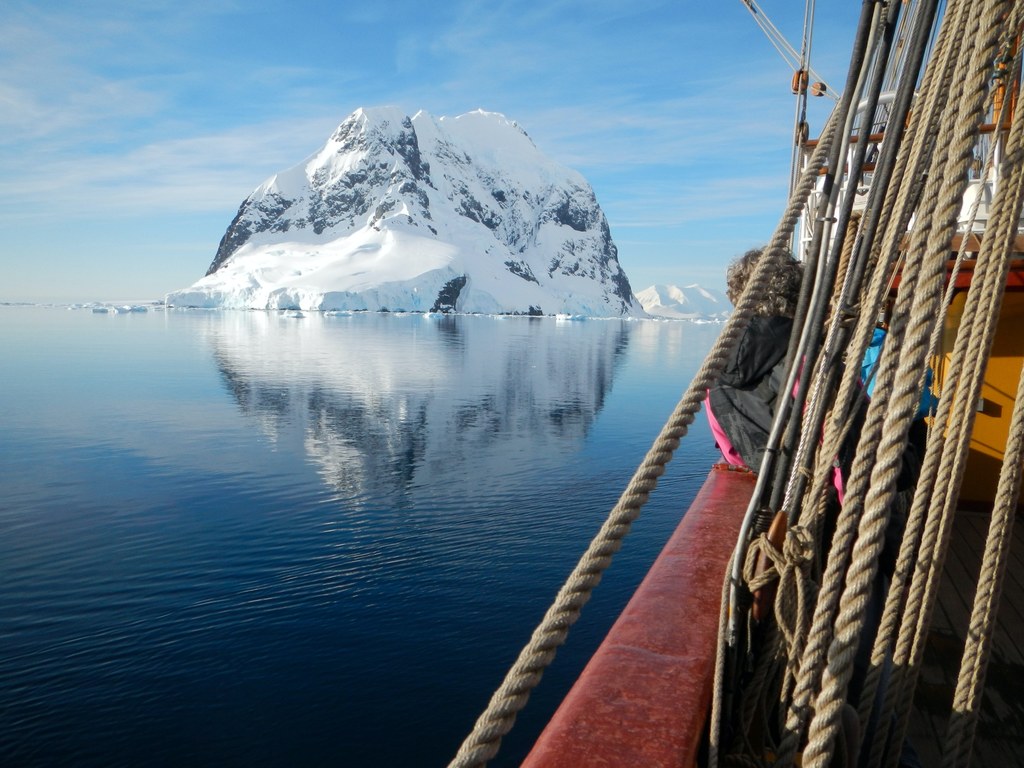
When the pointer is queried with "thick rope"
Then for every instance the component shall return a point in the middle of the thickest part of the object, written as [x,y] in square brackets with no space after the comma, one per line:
[966,701]
[795,589]
[814,653]
[833,211]
[791,567]
[511,696]
[928,564]
[859,77]
[935,504]
[895,214]
[889,624]
[923,303]
[928,509]
[779,241]
[884,436]
[814,413]
[940,223]
[957,408]
[973,340]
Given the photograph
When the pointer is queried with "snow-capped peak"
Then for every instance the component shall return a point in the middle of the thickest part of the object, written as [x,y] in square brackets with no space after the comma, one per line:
[691,302]
[447,214]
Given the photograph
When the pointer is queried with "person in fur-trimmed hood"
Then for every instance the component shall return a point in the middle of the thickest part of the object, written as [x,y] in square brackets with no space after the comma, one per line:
[742,402]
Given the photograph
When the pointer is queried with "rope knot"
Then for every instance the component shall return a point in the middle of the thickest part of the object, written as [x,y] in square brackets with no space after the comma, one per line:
[799,546]
[796,588]
[758,579]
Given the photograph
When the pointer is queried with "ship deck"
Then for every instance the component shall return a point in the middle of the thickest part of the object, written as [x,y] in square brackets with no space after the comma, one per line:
[999,738]
[643,697]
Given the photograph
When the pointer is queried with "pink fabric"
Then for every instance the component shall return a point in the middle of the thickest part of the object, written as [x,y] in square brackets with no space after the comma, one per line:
[837,481]
[733,458]
[730,454]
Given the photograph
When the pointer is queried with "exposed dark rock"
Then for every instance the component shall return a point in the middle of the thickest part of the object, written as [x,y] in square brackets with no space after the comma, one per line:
[448,296]
[409,150]
[234,238]
[622,287]
[375,172]
[335,205]
[414,192]
[522,269]
[265,214]
[572,212]
[471,208]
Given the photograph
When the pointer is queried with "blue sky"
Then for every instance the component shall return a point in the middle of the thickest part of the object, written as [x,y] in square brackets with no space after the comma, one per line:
[130,132]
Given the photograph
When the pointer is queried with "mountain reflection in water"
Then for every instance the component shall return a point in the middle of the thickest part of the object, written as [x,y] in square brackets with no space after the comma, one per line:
[245,538]
[381,403]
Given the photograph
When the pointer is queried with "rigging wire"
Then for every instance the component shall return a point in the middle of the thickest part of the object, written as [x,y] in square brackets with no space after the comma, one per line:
[800,129]
[789,54]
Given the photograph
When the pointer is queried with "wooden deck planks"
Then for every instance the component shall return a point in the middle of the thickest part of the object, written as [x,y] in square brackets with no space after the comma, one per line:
[1000,734]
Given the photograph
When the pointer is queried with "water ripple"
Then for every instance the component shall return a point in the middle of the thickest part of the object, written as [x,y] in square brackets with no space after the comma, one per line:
[267,544]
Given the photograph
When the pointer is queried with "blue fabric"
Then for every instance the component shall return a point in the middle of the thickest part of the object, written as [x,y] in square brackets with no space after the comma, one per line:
[867,366]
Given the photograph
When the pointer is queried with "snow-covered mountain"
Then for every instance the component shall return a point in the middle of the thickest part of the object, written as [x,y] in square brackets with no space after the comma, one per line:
[688,303]
[420,214]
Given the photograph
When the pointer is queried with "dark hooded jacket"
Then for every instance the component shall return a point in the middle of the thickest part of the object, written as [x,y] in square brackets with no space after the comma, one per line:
[743,399]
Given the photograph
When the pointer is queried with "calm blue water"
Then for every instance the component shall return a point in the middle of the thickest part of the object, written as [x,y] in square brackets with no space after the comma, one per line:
[251,539]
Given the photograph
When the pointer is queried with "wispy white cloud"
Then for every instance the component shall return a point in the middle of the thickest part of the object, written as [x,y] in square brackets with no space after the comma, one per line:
[192,174]
[702,127]
[113,110]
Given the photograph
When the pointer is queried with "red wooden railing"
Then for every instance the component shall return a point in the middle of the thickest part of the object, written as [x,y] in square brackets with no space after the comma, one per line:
[643,698]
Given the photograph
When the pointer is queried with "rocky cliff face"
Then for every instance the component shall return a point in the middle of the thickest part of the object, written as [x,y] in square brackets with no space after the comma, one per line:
[421,214]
